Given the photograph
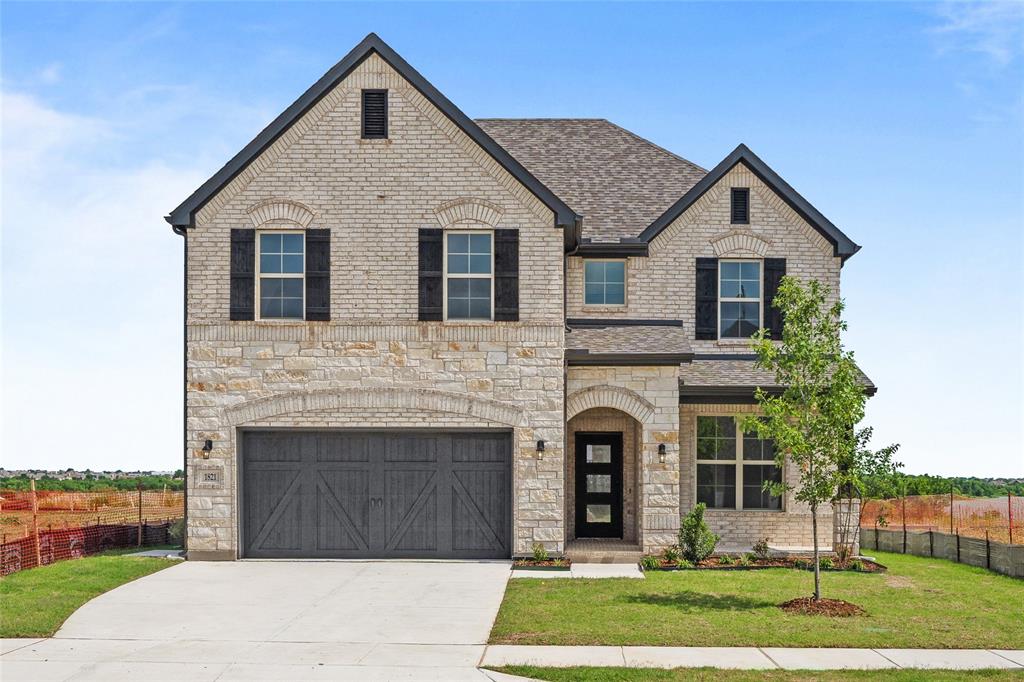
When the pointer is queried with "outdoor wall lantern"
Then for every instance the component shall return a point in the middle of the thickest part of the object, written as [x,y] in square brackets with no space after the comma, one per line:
[540,449]
[207,447]
[661,452]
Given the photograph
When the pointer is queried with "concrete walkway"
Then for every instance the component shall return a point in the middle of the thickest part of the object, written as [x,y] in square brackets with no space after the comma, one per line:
[750,658]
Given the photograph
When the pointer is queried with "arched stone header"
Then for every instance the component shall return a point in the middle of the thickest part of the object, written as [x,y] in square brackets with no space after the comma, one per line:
[468,209]
[374,398]
[616,397]
[286,210]
[739,241]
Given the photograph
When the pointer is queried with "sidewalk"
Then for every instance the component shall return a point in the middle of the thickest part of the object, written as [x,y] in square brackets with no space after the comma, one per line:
[750,658]
[221,661]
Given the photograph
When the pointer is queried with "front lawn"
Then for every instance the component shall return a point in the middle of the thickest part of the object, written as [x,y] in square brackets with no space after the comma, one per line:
[715,675]
[928,603]
[37,601]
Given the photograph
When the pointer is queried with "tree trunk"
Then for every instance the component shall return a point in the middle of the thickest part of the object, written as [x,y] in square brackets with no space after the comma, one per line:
[817,567]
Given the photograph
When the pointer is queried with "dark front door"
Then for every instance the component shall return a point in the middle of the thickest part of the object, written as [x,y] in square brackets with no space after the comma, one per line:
[599,485]
[363,494]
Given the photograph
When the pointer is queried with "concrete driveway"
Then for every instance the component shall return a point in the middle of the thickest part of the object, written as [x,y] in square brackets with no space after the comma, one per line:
[278,620]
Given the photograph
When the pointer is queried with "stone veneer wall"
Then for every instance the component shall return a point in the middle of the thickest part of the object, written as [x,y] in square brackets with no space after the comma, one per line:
[651,396]
[601,419]
[661,286]
[790,527]
[374,364]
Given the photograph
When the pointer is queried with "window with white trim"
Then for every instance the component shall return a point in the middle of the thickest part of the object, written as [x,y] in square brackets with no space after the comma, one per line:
[732,466]
[739,298]
[469,276]
[604,282]
[280,275]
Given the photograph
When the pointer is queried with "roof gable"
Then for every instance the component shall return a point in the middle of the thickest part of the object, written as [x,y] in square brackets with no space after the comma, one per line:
[184,214]
[843,246]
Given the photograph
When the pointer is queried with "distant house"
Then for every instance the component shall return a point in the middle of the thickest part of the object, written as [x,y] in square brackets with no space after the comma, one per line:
[413,334]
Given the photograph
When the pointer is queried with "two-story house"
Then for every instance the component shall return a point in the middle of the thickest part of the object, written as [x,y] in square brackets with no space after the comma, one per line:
[413,334]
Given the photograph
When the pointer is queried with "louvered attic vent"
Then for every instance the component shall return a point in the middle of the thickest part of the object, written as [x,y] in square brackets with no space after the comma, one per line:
[375,114]
[740,206]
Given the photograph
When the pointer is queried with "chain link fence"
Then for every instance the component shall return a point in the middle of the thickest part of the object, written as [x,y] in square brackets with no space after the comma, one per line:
[41,527]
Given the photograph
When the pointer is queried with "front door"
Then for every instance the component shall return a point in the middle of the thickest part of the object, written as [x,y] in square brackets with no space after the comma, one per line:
[599,485]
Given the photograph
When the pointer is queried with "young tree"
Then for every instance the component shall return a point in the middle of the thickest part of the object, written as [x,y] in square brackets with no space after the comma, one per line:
[813,420]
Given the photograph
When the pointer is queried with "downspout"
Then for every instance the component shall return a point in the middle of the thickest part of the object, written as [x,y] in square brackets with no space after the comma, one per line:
[183,232]
[577,233]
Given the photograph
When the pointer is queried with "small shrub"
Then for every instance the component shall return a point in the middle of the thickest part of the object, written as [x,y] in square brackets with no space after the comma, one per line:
[802,564]
[857,565]
[650,563]
[176,532]
[695,538]
[726,560]
[672,554]
[745,559]
[560,562]
[683,563]
[761,550]
[826,562]
[540,552]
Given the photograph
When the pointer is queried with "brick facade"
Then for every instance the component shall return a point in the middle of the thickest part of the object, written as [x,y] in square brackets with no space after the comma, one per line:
[374,365]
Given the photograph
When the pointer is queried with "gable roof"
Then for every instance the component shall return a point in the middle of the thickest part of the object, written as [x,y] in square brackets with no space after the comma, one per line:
[618,180]
[184,214]
[843,246]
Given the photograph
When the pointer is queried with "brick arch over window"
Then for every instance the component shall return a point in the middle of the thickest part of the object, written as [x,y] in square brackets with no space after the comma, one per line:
[740,242]
[280,210]
[616,397]
[387,399]
[468,209]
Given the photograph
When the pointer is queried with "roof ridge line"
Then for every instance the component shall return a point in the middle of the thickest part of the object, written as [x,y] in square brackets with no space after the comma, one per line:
[655,145]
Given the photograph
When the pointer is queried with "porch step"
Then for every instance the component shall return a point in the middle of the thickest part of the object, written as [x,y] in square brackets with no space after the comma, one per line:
[603,552]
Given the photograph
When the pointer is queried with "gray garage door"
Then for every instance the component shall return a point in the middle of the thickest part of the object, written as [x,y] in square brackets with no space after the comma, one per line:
[373,494]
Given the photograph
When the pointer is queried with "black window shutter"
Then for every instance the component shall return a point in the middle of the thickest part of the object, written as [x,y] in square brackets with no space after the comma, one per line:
[242,305]
[506,275]
[740,206]
[706,322]
[774,271]
[431,300]
[375,114]
[318,275]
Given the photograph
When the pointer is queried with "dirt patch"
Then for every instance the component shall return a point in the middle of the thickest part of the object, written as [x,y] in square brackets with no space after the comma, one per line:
[836,608]
[898,581]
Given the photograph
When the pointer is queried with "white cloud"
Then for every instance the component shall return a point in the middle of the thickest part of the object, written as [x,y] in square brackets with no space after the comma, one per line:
[994,29]
[91,295]
[50,75]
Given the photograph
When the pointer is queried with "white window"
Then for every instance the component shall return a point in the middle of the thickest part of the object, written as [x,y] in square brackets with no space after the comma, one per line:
[732,466]
[280,275]
[604,282]
[468,276]
[739,298]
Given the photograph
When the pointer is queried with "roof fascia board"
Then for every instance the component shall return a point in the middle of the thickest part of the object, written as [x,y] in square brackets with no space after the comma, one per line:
[842,245]
[184,214]
[620,322]
[710,394]
[577,358]
[621,249]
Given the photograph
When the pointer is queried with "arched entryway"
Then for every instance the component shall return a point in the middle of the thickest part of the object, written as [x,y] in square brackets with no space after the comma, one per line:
[603,481]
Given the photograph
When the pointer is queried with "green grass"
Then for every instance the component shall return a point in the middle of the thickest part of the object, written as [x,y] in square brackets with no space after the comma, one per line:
[37,601]
[918,603]
[714,674]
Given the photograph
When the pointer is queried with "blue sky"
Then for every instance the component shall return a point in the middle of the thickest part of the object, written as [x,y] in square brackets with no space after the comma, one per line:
[901,122]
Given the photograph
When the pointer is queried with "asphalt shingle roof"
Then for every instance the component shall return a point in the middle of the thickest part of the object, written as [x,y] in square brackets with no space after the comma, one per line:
[702,373]
[634,339]
[618,181]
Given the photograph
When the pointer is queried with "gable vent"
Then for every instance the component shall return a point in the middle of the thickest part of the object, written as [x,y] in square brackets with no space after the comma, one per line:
[740,211]
[375,114]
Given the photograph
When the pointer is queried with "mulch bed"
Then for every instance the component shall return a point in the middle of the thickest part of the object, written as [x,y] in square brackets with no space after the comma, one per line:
[550,564]
[715,563]
[836,608]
